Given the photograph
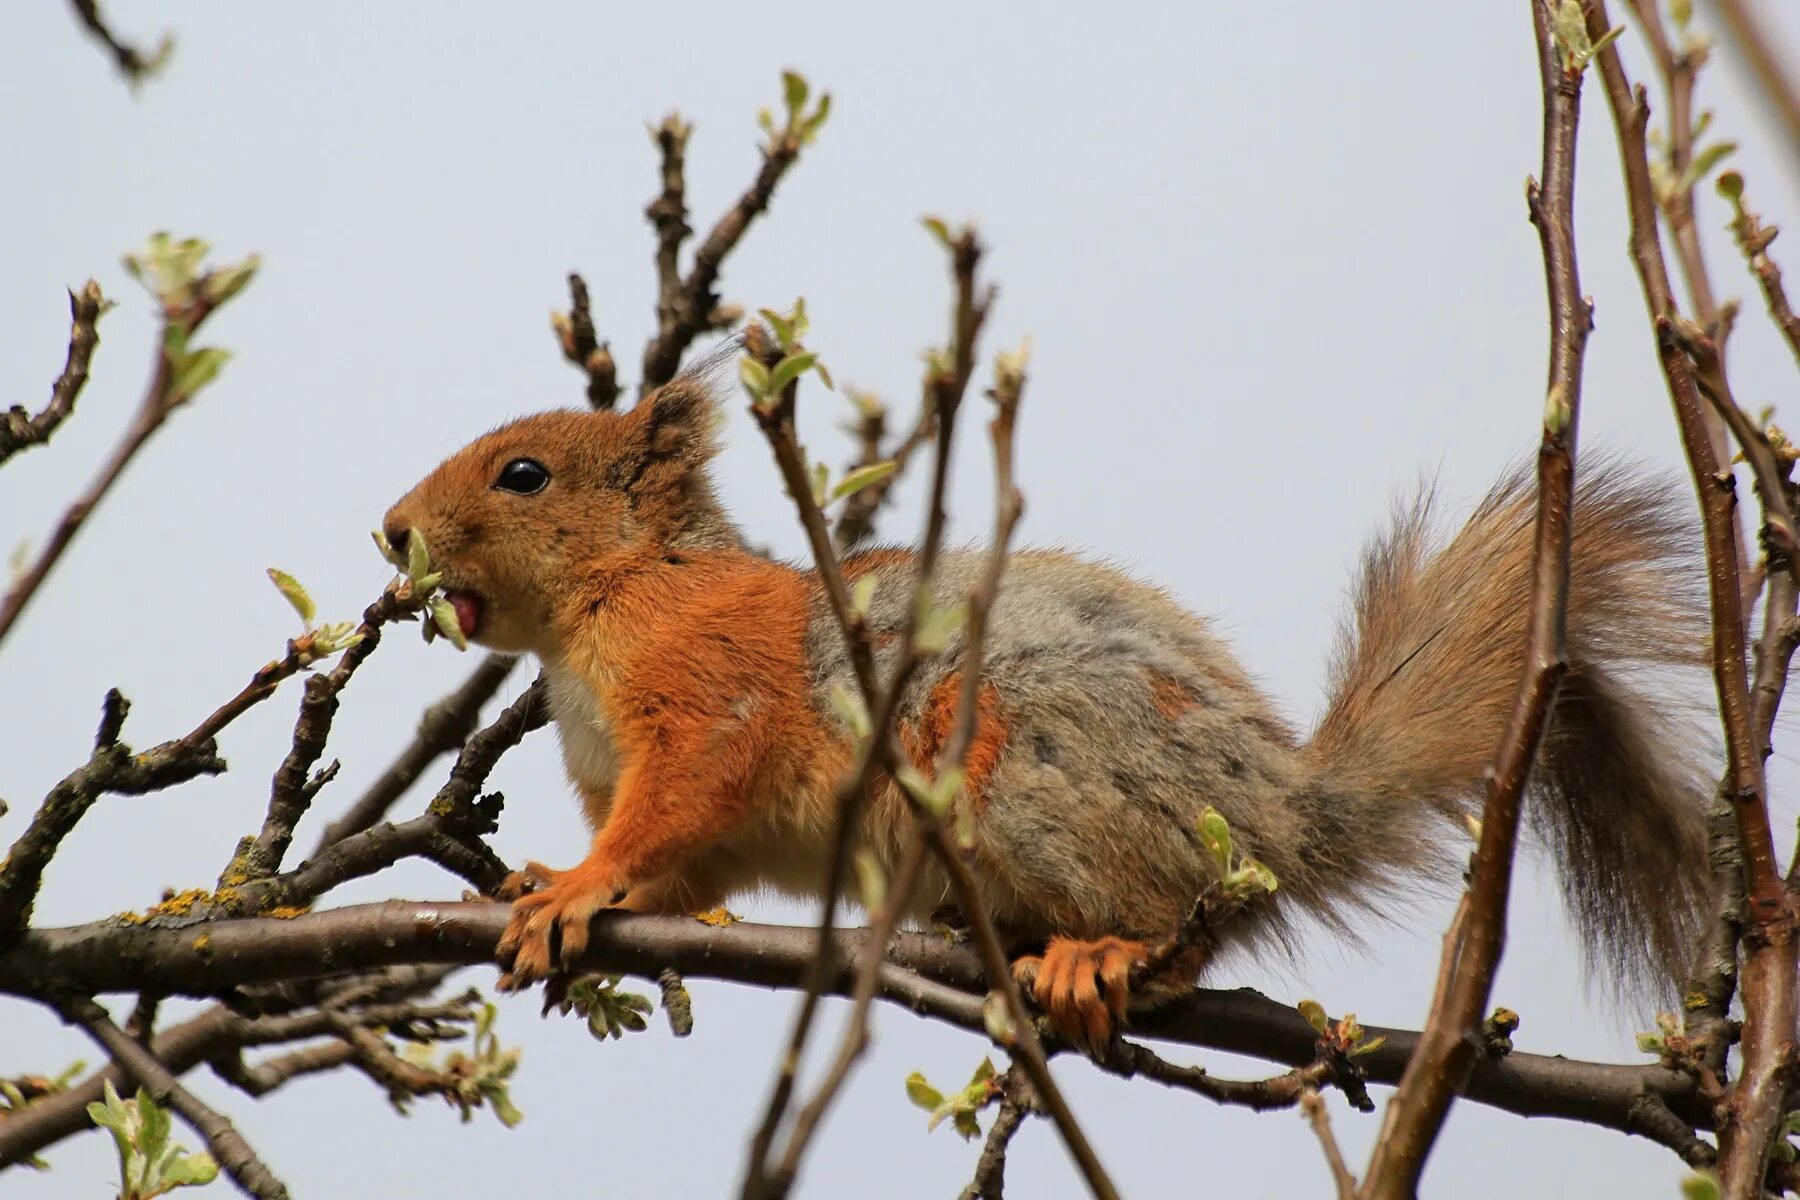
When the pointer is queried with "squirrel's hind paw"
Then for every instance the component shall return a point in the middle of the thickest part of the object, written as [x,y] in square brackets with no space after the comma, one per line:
[1083,987]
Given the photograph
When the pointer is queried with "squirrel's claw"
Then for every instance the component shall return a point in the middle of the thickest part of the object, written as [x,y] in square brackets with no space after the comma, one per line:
[549,927]
[1083,987]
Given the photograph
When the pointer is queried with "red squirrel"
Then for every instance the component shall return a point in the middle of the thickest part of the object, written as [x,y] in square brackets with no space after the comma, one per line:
[689,679]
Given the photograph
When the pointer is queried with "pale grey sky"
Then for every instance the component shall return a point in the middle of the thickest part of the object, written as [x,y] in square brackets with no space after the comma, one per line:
[1274,261]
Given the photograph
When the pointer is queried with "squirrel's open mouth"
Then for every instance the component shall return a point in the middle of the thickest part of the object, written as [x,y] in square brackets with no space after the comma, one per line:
[468,608]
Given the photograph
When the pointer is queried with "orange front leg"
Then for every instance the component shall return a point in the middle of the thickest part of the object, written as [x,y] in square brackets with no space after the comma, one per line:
[669,805]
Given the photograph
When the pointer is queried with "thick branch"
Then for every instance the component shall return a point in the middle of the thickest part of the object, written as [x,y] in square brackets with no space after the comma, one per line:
[924,975]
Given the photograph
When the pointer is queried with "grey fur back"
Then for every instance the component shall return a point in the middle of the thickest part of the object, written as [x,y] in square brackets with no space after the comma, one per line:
[1125,716]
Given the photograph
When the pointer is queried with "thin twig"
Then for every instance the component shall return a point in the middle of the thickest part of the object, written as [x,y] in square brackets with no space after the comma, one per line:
[19,430]
[216,1032]
[856,523]
[288,797]
[856,1030]
[112,768]
[1313,1104]
[990,1169]
[583,348]
[1767,978]
[161,399]
[1753,238]
[445,726]
[222,1138]
[1743,20]
[694,306]
[133,64]
[1447,1049]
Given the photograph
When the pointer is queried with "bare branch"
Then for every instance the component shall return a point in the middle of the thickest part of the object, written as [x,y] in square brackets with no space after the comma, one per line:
[222,1138]
[1768,973]
[135,65]
[1314,1106]
[112,768]
[1743,20]
[990,1169]
[1753,238]
[686,311]
[161,399]
[1472,949]
[19,430]
[443,728]
[924,975]
[582,347]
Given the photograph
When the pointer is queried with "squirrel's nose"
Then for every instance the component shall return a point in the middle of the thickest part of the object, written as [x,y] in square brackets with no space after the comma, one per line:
[397,535]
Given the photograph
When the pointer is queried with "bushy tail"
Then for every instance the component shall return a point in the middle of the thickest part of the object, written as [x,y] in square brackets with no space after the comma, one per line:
[1428,665]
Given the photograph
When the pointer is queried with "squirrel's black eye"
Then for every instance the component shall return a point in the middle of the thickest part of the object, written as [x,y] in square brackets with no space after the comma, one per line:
[522,475]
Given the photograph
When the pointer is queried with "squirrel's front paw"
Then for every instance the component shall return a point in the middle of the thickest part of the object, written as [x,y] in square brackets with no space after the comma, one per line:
[1082,987]
[549,927]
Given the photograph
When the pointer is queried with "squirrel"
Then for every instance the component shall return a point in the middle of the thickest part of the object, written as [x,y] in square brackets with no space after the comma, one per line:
[690,680]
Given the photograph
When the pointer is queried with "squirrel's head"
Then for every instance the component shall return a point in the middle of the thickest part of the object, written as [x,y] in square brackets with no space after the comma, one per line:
[516,519]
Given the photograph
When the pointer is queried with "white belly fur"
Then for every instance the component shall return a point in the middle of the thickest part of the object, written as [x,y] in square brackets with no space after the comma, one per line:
[589,754]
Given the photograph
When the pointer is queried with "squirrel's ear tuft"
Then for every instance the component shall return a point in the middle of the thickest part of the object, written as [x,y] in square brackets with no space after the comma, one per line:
[681,419]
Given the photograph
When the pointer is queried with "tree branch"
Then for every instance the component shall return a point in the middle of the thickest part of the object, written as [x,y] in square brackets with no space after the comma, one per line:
[923,974]
[222,1138]
[1472,952]
[19,430]
[445,726]
[1767,978]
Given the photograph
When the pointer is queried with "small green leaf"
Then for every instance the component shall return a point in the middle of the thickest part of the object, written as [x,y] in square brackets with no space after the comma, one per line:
[194,371]
[922,1093]
[1314,1012]
[754,375]
[783,327]
[809,129]
[221,285]
[418,557]
[996,1017]
[1682,11]
[385,548]
[790,369]
[860,478]
[862,594]
[1215,835]
[938,230]
[1650,1043]
[824,376]
[1731,186]
[794,90]
[938,626]
[820,477]
[290,589]
[851,710]
[871,880]
[193,1170]
[1700,1187]
[1368,1047]
[1704,162]
[1606,39]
